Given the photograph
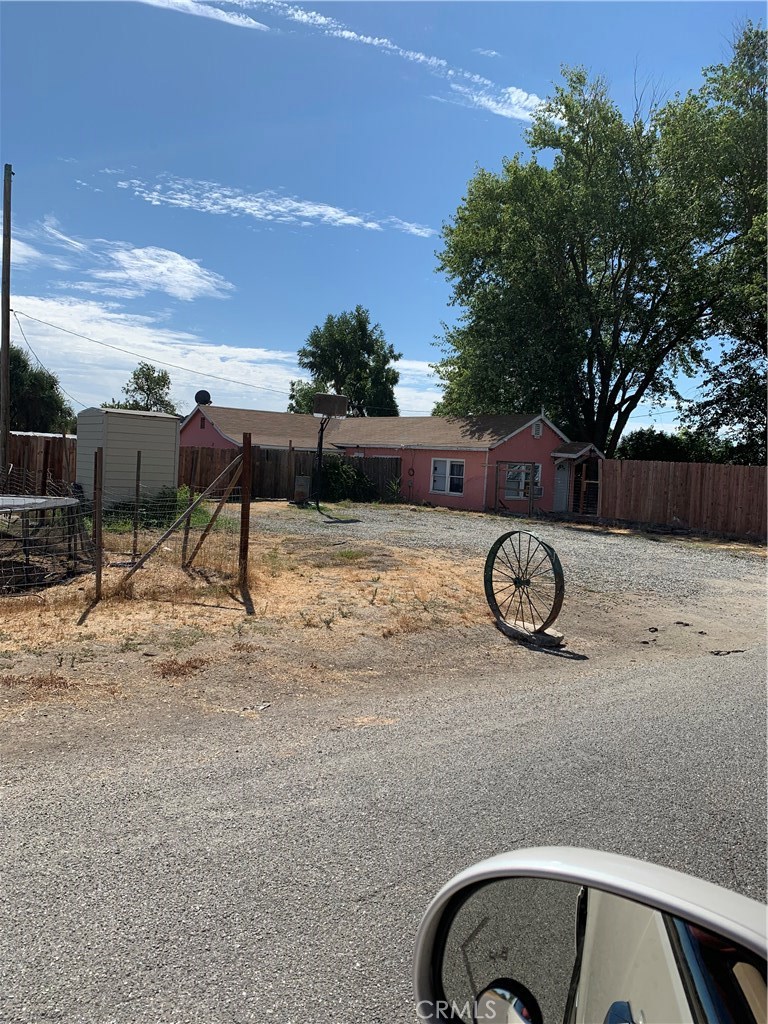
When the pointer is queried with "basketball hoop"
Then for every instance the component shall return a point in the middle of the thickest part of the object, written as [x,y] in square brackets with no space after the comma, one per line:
[332,407]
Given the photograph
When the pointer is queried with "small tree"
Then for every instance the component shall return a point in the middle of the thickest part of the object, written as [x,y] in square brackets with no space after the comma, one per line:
[36,399]
[302,395]
[348,356]
[148,390]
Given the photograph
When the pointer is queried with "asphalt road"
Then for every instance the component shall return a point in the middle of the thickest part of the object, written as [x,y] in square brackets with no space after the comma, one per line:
[173,867]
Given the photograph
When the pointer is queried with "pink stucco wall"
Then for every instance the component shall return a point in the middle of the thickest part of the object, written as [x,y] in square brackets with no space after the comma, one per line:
[479,471]
[207,436]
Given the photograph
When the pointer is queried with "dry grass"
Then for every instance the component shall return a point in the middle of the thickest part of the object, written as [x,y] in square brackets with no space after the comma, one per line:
[337,591]
[48,681]
[173,668]
[244,647]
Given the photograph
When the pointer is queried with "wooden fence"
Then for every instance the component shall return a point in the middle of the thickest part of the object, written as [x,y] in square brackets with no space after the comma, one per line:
[38,458]
[725,500]
[274,470]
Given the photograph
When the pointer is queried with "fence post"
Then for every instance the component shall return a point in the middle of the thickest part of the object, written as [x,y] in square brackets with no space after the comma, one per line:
[98,469]
[136,500]
[190,503]
[245,513]
[46,465]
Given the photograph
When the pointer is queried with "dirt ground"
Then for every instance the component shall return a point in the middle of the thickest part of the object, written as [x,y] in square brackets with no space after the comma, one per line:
[327,616]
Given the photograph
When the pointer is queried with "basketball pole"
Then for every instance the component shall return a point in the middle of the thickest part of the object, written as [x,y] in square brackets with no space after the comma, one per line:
[323,424]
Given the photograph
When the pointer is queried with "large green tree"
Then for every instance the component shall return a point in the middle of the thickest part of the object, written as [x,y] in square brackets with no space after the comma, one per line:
[727,170]
[349,356]
[37,402]
[148,390]
[590,278]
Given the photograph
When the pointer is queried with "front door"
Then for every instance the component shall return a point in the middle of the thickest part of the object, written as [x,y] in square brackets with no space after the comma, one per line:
[562,487]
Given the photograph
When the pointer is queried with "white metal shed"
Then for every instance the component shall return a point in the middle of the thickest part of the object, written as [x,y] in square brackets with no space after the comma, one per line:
[122,433]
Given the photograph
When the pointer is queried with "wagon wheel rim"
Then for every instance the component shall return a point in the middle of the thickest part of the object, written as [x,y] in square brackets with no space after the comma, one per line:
[524,582]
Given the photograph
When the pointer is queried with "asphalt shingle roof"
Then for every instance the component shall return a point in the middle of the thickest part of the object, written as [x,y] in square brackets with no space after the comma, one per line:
[276,429]
[479,432]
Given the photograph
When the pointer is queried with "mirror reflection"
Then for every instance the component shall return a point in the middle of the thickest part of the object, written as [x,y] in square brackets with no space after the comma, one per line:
[537,951]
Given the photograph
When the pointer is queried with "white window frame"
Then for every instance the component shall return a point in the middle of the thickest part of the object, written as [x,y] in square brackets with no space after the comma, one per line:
[523,492]
[448,476]
[537,429]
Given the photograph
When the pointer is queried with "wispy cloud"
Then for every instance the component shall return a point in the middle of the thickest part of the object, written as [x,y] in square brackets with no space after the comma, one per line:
[474,90]
[486,53]
[155,269]
[117,269]
[208,11]
[338,30]
[259,374]
[24,255]
[268,205]
[50,229]
[93,374]
[420,230]
[512,103]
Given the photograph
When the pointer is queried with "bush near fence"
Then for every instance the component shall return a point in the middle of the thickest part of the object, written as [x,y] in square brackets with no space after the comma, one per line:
[274,472]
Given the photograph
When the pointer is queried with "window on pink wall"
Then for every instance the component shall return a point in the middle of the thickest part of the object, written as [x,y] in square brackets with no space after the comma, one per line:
[518,481]
[202,422]
[447,476]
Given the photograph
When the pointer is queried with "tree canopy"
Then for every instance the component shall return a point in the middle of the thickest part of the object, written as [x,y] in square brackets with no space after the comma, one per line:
[348,356]
[148,390]
[589,282]
[682,446]
[730,113]
[37,402]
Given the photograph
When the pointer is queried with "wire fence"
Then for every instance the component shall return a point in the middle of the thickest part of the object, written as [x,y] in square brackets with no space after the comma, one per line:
[145,544]
[45,538]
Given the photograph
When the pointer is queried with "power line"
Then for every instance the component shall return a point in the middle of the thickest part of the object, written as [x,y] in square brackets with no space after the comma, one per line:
[160,362]
[40,363]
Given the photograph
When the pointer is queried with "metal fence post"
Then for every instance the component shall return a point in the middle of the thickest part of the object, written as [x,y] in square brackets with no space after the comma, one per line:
[136,500]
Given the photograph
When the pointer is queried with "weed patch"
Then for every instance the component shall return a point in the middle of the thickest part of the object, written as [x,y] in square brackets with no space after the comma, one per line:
[42,681]
[172,668]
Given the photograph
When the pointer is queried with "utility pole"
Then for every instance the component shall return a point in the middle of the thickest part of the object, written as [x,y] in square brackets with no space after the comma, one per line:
[5,328]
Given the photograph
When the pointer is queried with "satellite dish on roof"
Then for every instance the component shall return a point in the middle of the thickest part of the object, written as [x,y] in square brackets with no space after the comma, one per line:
[203,398]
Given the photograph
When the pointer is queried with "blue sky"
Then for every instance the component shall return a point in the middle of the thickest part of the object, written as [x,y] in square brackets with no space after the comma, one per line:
[202,183]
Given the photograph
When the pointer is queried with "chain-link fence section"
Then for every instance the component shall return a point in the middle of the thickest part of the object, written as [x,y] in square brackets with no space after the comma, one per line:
[152,544]
[176,529]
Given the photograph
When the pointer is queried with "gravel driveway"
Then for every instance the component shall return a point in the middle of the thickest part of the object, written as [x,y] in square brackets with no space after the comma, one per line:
[597,560]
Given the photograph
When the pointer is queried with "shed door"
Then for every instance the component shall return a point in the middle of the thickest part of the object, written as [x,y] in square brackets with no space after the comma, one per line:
[562,487]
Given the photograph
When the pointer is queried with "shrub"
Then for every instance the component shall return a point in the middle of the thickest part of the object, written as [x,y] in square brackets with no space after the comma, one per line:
[156,512]
[342,479]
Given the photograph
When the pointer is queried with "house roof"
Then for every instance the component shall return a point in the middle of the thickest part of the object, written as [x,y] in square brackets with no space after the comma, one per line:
[448,432]
[574,449]
[268,429]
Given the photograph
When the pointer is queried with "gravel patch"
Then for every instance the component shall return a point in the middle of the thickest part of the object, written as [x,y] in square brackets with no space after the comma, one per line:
[599,561]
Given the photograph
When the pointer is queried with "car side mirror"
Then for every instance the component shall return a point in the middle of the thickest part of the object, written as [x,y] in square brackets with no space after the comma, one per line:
[566,936]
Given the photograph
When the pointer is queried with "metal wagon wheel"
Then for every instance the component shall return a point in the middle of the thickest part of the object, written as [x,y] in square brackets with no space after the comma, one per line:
[524,582]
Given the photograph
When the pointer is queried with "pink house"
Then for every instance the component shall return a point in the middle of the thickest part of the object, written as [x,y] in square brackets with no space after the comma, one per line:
[216,426]
[514,463]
